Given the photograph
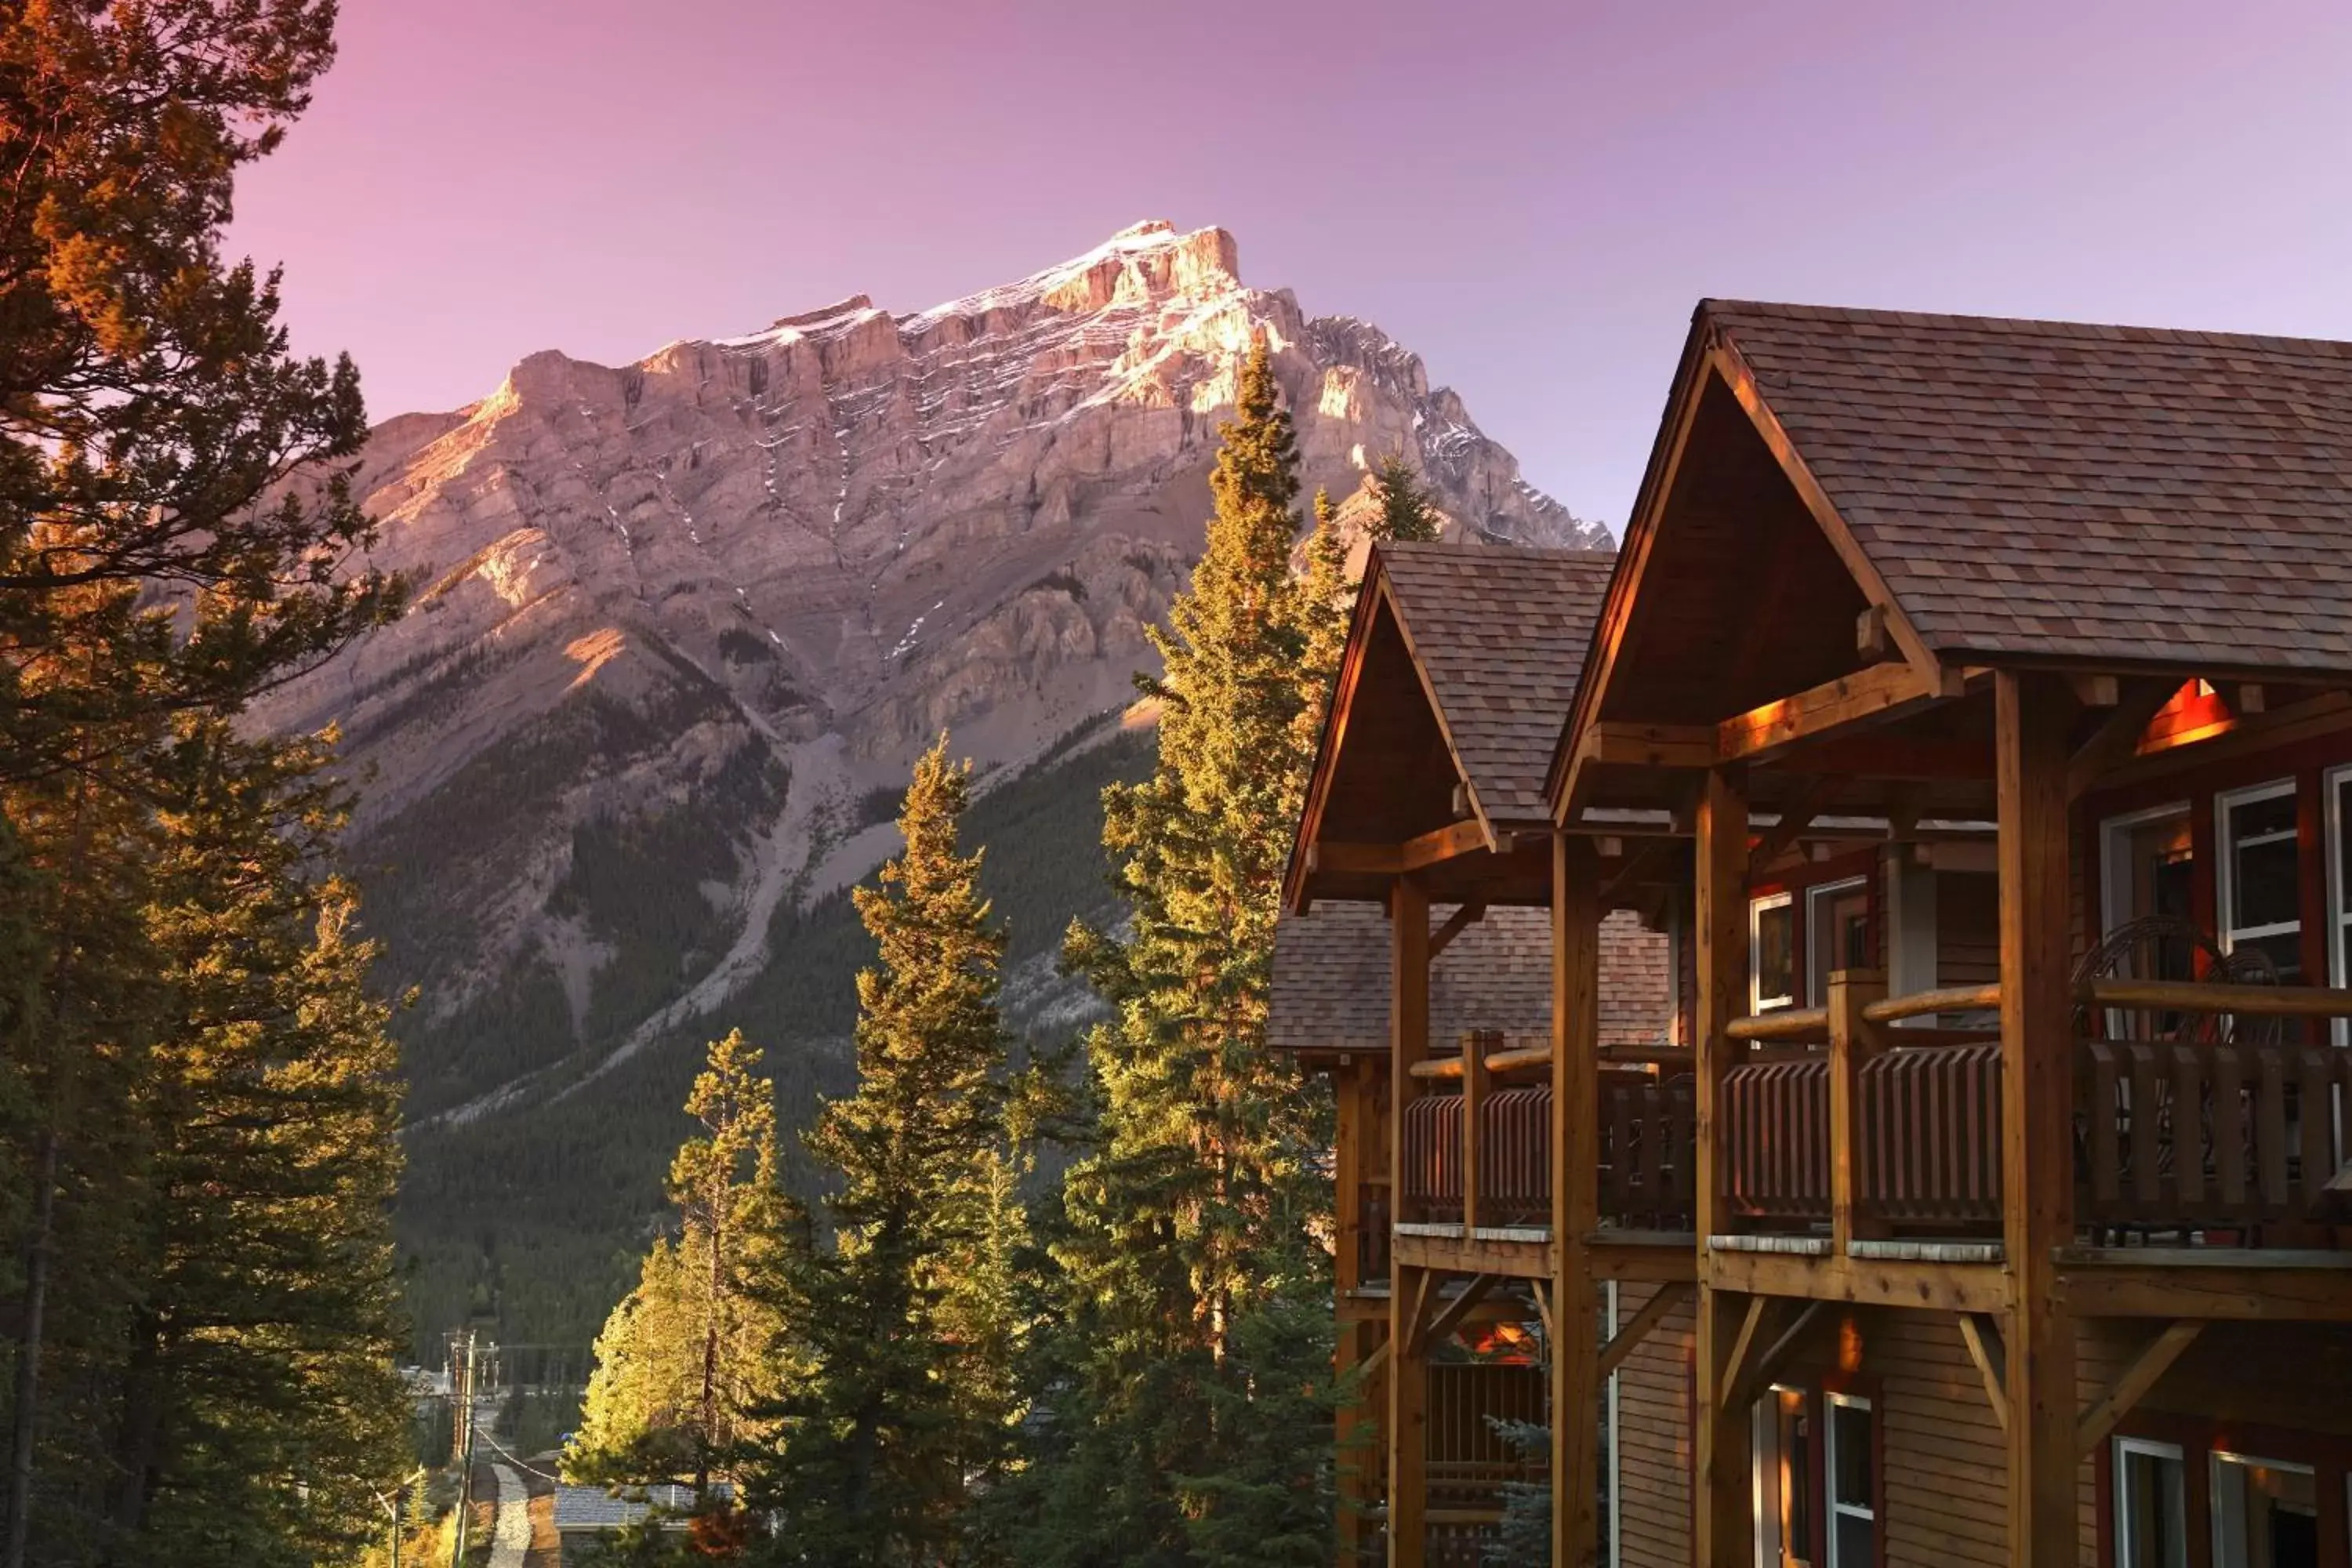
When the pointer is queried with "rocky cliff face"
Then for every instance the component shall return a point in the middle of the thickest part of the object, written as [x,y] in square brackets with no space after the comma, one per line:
[681,623]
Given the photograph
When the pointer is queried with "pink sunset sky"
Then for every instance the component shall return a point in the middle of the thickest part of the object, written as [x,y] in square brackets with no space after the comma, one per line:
[1530,195]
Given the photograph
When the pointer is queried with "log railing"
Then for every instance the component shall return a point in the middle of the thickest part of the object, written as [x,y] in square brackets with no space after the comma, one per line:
[2243,1141]
[1503,1176]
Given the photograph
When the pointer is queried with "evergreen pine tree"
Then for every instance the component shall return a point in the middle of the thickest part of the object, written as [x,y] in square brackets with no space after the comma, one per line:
[1188,1218]
[906,1407]
[691,1349]
[195,1095]
[1327,606]
[1408,512]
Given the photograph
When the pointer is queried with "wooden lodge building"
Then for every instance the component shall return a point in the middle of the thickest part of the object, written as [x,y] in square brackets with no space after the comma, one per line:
[1955,771]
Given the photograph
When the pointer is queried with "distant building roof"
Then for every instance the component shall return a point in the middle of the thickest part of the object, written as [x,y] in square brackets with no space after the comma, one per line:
[593,1508]
[2054,489]
[1332,979]
[1501,634]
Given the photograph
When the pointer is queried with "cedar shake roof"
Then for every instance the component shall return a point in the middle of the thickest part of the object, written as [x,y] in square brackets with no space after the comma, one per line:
[1501,633]
[1332,979]
[2108,494]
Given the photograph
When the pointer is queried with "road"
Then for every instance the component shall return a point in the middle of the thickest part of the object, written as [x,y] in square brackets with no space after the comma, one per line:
[510,1539]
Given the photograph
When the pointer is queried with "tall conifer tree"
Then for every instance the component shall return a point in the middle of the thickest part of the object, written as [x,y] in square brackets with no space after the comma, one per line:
[904,1326]
[1408,513]
[175,1386]
[1188,1218]
[692,1348]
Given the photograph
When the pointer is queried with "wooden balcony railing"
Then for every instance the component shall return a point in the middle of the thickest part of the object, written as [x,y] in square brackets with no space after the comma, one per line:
[2210,1136]
[2233,1139]
[1503,1177]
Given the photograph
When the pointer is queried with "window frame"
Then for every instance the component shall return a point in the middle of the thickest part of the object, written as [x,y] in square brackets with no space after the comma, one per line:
[2112,833]
[2226,933]
[1819,897]
[1758,906]
[1766,1504]
[2120,1552]
[1832,1507]
[2219,1457]
[2333,783]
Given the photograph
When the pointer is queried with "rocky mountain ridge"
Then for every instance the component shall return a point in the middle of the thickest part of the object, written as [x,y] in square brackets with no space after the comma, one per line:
[681,625]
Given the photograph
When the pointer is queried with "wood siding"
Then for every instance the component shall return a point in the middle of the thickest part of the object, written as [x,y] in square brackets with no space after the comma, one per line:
[1653,1438]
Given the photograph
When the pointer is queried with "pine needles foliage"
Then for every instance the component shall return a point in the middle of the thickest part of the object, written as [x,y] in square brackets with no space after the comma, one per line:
[198,1100]
[1185,1239]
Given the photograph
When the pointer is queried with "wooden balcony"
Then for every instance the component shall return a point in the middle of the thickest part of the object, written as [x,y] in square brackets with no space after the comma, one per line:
[1500,1176]
[2232,1135]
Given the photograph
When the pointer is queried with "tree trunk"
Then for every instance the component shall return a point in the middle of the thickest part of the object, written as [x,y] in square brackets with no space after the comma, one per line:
[23,1439]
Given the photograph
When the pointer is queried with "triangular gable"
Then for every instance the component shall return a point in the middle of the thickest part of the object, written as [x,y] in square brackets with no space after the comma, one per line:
[1458,671]
[1737,583]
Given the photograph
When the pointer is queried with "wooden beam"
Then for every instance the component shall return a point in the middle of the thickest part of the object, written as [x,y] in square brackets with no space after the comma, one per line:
[1981,1334]
[2257,1284]
[1722,1527]
[1735,1364]
[1541,1290]
[1880,691]
[2097,690]
[2117,734]
[2133,1382]
[1415,854]
[1629,1338]
[1642,861]
[1449,1316]
[1765,1365]
[1871,640]
[1408,1423]
[1533,1258]
[1795,818]
[1355,1435]
[1617,742]
[1408,1017]
[1446,844]
[1464,917]
[1475,1083]
[1864,1281]
[1576,1386]
[1854,1040]
[2032,713]
[1867,754]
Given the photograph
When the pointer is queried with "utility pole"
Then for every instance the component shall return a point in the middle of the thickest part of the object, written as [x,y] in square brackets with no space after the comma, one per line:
[461,1378]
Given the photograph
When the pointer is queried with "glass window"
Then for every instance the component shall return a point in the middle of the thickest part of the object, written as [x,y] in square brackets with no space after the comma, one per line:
[2262,875]
[1837,933]
[2149,866]
[2339,883]
[2265,1513]
[1854,1493]
[2151,1505]
[1771,952]
[1786,1488]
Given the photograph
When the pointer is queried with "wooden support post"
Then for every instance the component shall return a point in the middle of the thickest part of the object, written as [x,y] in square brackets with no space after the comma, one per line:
[1408,1018]
[1360,1455]
[2032,713]
[1409,1289]
[1853,1039]
[1723,1523]
[1351,1093]
[1576,1380]
[1358,1417]
[1475,1081]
